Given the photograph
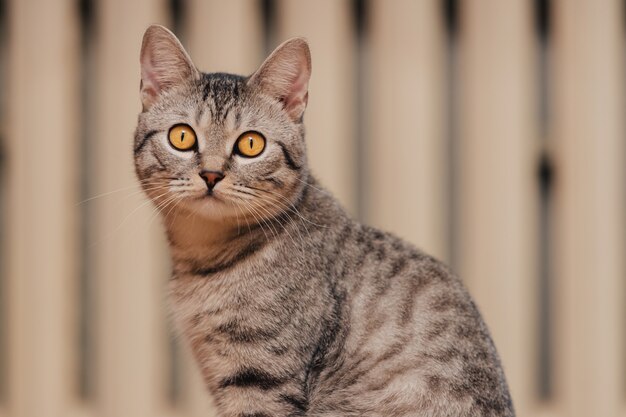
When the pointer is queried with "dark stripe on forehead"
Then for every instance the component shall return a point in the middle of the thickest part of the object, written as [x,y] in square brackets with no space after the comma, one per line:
[205,93]
[223,90]
[288,159]
[145,138]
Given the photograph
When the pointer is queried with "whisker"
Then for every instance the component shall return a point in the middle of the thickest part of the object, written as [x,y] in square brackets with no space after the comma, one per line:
[242,215]
[250,210]
[114,231]
[288,205]
[269,214]
[312,186]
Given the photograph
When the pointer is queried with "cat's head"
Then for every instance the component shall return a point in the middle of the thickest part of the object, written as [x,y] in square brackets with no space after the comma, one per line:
[223,146]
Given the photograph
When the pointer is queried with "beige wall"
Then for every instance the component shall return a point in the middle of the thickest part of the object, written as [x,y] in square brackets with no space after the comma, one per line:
[437,141]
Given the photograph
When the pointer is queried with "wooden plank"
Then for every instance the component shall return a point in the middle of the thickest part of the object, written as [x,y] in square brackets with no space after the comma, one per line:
[210,20]
[406,167]
[329,117]
[497,172]
[42,145]
[130,259]
[588,109]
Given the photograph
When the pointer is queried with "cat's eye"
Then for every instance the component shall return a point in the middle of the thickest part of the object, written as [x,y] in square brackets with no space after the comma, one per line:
[250,144]
[182,137]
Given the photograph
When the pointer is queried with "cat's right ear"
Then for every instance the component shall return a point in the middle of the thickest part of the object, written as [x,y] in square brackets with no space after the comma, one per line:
[164,63]
[285,76]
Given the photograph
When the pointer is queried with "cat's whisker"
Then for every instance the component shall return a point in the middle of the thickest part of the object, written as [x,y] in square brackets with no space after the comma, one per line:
[174,205]
[145,190]
[280,210]
[259,218]
[287,202]
[286,209]
[238,227]
[314,187]
[158,208]
[293,207]
[286,213]
[235,199]
[268,223]
[108,193]
[250,210]
[114,231]
[220,209]
[282,207]
[242,215]
[269,214]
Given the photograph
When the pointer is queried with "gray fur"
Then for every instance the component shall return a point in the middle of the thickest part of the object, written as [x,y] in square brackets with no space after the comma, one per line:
[291,307]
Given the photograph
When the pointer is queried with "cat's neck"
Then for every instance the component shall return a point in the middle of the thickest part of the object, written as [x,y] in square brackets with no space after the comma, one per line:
[207,242]
[192,230]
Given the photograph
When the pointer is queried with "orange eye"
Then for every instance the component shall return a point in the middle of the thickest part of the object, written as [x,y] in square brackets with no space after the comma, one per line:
[182,137]
[250,144]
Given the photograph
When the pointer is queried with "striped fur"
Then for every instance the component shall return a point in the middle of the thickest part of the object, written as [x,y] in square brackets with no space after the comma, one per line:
[291,307]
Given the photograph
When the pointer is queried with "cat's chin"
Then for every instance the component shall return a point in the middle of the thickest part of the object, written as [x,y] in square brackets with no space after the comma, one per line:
[212,208]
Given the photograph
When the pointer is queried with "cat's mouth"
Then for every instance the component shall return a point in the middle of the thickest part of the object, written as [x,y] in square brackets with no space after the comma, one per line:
[208,195]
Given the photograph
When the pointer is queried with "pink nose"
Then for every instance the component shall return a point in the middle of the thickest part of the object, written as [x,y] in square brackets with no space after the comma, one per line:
[211,178]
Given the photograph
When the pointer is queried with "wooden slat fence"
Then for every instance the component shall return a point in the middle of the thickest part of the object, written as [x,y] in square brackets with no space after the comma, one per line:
[491,134]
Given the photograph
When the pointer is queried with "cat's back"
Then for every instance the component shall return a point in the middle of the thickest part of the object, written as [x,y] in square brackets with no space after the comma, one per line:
[414,342]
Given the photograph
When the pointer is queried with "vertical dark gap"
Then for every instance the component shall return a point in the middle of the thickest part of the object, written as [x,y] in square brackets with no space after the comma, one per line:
[178,11]
[359,8]
[174,378]
[545,178]
[86,308]
[545,185]
[3,119]
[623,315]
[268,15]
[450,10]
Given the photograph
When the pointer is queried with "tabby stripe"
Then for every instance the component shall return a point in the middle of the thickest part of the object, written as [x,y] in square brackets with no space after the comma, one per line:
[252,377]
[205,93]
[147,136]
[407,308]
[161,164]
[238,334]
[151,170]
[278,183]
[290,162]
[299,403]
[398,265]
[244,254]
[255,415]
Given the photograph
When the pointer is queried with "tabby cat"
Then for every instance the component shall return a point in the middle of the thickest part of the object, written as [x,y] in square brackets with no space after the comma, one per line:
[291,307]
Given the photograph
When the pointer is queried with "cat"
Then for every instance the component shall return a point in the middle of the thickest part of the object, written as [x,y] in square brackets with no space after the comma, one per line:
[290,306]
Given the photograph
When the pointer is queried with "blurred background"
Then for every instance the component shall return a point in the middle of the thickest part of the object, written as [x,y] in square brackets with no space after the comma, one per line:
[487,132]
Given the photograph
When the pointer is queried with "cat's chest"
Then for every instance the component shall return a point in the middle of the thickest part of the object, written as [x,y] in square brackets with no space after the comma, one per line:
[196,299]
[229,321]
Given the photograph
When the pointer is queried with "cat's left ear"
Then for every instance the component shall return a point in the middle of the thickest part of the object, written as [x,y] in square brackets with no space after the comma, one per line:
[285,76]
[164,64]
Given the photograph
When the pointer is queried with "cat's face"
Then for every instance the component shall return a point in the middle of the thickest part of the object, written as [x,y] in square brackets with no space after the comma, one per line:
[220,145]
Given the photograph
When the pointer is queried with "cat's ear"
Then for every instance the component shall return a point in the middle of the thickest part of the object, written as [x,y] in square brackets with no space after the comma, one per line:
[164,63]
[285,76]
